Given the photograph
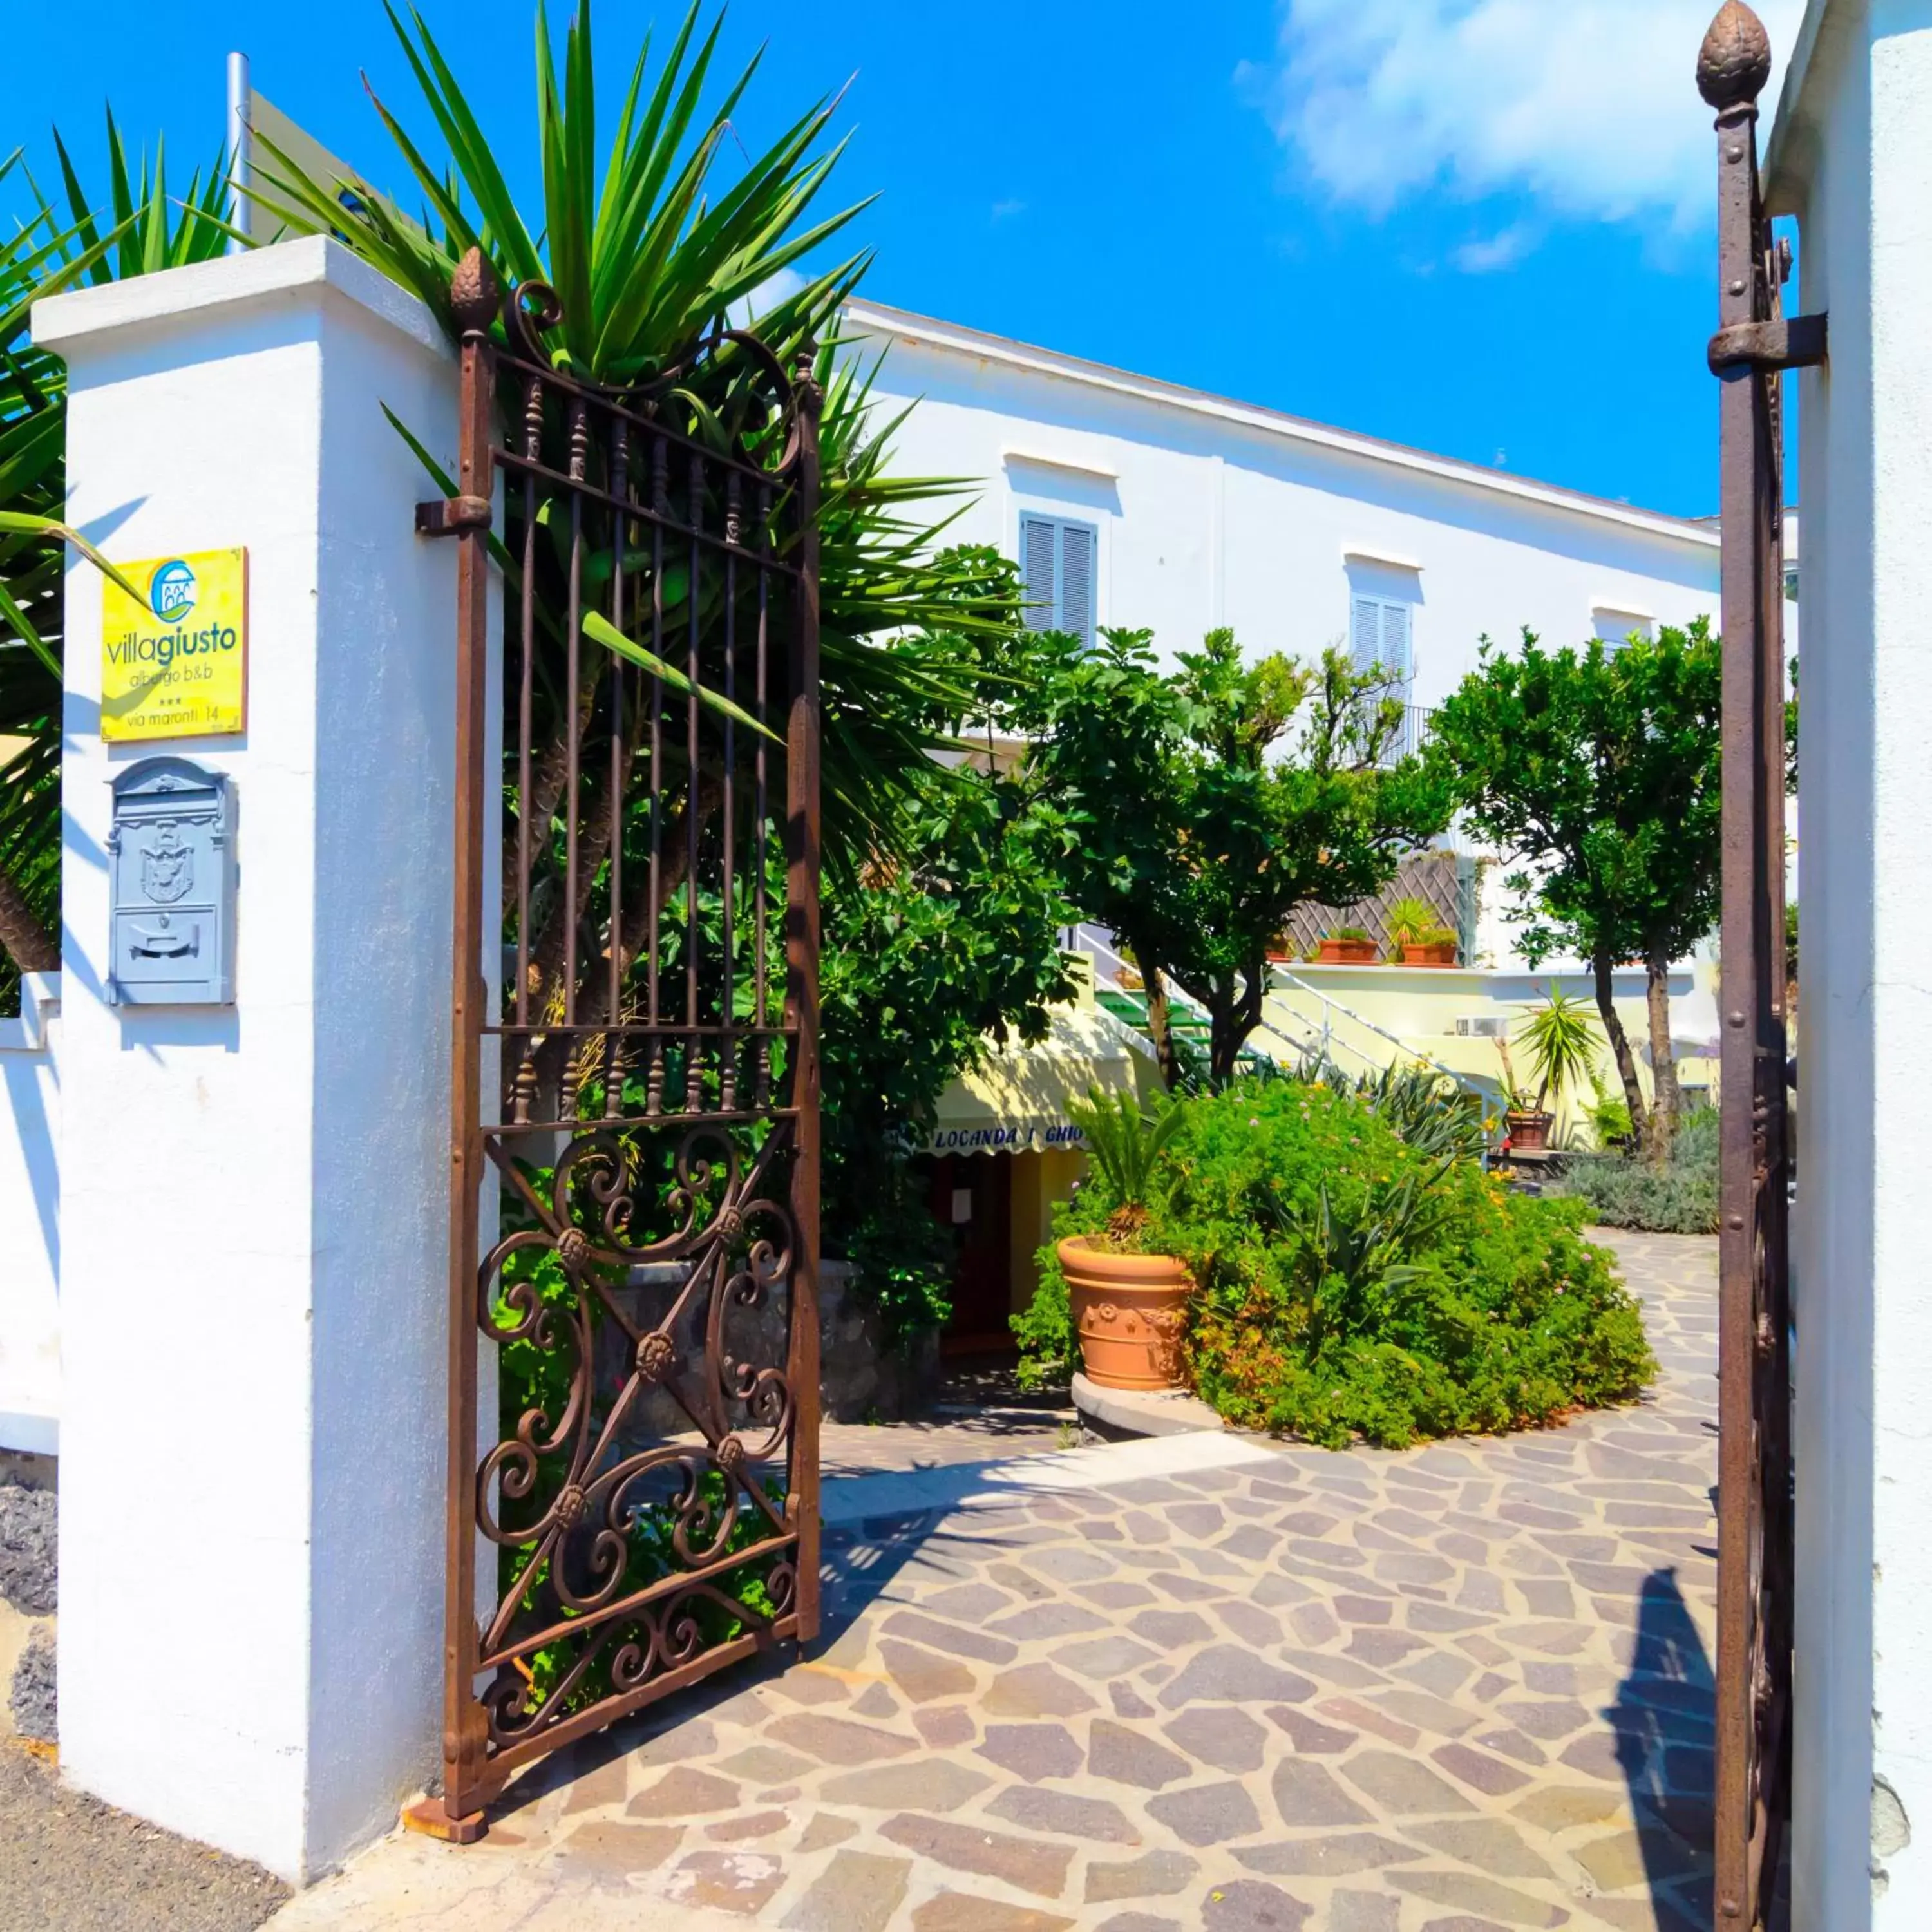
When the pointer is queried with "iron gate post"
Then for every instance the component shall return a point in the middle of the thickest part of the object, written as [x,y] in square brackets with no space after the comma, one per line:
[457,1814]
[1752,345]
[803,861]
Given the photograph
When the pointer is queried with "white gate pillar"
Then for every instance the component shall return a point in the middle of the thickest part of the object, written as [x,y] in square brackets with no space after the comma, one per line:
[1850,156]
[254,1196]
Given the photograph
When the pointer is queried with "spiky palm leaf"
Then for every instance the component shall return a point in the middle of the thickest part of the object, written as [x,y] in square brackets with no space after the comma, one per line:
[143,229]
[650,251]
[649,258]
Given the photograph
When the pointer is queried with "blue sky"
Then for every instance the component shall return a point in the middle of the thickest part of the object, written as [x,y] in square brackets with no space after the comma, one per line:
[1481,227]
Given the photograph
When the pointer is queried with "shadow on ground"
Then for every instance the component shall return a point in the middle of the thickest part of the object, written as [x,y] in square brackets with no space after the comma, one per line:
[1665,1718]
[860,1561]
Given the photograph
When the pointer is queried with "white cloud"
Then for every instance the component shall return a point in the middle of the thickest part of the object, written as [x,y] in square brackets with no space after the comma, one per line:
[1590,106]
[1497,251]
[772,290]
[1005,210]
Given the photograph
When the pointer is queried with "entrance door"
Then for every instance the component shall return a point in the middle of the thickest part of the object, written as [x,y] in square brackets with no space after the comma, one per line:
[972,1196]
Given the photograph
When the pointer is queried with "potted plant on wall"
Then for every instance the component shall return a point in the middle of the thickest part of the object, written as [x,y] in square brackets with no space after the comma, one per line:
[1348,946]
[1562,1042]
[1129,1305]
[1418,938]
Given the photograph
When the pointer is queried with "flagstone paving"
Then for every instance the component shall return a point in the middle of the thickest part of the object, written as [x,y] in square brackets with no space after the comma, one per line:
[1466,1688]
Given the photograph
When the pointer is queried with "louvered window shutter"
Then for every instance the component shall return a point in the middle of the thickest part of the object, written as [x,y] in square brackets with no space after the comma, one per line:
[1076,581]
[1037,560]
[1365,640]
[1396,658]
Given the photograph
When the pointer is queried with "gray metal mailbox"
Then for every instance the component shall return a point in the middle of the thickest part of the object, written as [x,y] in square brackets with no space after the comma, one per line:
[171,858]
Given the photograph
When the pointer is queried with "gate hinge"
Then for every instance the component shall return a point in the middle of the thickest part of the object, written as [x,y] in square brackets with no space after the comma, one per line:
[448,515]
[1759,348]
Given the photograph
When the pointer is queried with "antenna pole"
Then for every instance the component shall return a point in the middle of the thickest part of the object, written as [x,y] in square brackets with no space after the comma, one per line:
[241,159]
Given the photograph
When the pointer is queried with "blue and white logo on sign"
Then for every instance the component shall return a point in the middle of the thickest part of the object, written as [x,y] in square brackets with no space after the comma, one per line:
[171,592]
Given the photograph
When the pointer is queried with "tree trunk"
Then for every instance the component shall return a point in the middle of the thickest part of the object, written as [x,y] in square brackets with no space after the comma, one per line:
[1235,1016]
[1665,1105]
[34,946]
[1620,1047]
[1158,1018]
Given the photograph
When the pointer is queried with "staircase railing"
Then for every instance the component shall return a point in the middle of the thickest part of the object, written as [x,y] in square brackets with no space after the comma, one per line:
[1280,977]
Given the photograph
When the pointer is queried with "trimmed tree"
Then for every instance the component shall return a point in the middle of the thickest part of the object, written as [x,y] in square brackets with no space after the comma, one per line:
[1597,772]
[927,954]
[1207,805]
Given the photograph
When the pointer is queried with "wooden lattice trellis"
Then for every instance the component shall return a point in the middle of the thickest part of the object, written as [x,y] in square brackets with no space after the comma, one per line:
[1437,876]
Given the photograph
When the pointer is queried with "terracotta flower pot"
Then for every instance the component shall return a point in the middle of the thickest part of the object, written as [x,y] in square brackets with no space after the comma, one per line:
[1433,953]
[1529,1133]
[1347,953]
[1128,1311]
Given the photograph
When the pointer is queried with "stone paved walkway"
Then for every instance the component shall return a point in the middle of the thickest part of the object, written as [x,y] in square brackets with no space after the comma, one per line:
[1462,1689]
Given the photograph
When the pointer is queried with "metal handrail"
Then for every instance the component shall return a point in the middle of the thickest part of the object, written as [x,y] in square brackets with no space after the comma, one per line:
[1325,1045]
[1279,974]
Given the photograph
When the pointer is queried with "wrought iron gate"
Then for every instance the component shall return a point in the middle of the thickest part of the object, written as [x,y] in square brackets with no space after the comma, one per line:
[1754,343]
[640,1470]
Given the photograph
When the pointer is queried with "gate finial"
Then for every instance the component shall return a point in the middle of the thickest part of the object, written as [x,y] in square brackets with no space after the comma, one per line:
[474,295]
[1735,62]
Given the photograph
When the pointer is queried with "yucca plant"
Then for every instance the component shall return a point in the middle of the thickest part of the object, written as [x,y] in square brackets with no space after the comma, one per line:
[1412,921]
[1563,1043]
[1126,1144]
[652,247]
[142,228]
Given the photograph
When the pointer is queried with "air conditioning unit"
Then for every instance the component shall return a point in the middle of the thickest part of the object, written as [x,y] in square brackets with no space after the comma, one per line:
[1482,1026]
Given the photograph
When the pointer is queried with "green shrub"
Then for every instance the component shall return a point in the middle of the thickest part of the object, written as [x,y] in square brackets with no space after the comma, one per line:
[1622,1190]
[1350,1284]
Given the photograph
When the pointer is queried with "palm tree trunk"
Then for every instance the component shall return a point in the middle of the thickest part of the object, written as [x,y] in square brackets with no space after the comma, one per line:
[33,945]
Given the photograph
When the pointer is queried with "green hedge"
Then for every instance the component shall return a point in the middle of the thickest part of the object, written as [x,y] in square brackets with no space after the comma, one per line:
[1350,1285]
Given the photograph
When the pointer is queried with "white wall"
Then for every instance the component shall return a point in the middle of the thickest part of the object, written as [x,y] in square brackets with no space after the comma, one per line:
[1852,155]
[1213,513]
[30,1219]
[254,1198]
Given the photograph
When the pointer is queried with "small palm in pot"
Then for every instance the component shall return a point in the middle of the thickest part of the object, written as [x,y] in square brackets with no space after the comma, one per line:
[1128,1306]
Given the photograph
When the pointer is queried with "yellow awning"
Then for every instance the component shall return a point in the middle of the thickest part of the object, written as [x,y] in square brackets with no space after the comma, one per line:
[1014,1101]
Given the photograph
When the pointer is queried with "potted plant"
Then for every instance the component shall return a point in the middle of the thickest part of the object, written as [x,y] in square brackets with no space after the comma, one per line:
[1561,1036]
[1348,946]
[1417,936]
[1128,1306]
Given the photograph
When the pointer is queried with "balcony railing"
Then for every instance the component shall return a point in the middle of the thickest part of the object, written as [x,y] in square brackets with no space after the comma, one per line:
[1410,731]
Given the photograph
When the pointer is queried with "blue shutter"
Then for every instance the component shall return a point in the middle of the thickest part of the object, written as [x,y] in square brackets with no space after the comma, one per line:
[1365,633]
[1058,564]
[1037,535]
[1076,581]
[1397,654]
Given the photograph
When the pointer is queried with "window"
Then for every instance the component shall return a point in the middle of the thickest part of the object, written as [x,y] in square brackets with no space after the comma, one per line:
[1059,563]
[1381,631]
[1615,627]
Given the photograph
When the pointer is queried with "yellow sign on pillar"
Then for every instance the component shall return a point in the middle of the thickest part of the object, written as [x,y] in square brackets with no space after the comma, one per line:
[174,664]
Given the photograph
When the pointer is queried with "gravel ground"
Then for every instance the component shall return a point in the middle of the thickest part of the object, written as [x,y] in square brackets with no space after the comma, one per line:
[70,1863]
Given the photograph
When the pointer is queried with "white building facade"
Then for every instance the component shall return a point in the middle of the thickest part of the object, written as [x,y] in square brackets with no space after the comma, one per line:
[1128,501]
[1132,502]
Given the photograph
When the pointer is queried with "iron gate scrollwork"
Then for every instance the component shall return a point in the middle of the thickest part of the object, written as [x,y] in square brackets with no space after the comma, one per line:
[1755,343]
[643,1482]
